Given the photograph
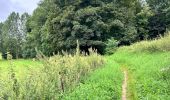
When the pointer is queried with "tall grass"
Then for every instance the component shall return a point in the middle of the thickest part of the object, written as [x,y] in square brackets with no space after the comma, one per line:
[148,63]
[103,84]
[60,73]
[158,45]
[148,74]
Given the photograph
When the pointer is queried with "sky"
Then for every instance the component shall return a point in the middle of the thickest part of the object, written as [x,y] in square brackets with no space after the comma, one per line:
[21,6]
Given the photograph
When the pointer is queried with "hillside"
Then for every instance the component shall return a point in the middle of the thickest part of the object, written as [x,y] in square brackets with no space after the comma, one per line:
[79,77]
[148,67]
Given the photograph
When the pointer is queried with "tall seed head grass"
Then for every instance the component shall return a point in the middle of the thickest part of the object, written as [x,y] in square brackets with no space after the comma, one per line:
[59,74]
[162,45]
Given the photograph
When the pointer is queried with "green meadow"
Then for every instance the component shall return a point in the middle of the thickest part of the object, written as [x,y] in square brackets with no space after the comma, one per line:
[94,77]
[148,67]
[85,50]
[20,67]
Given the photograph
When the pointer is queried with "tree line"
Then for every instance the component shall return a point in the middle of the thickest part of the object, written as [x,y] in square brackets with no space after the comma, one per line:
[13,35]
[55,25]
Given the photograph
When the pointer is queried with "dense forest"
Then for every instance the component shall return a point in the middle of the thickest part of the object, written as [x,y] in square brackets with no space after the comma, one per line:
[55,25]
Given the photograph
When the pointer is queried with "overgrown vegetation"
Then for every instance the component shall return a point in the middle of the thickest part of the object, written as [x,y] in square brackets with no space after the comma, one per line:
[80,77]
[59,74]
[149,74]
[56,24]
[148,63]
[157,45]
[104,84]
[102,25]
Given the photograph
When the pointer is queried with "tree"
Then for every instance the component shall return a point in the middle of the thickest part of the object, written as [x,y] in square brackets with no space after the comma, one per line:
[158,5]
[142,19]
[36,28]
[158,23]
[1,38]
[57,24]
[13,33]
[167,18]
[9,31]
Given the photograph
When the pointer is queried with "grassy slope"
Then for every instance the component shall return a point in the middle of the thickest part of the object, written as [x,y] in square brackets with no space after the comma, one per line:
[149,82]
[103,84]
[144,62]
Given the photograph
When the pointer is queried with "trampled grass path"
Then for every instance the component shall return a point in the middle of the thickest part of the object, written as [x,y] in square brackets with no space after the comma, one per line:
[124,85]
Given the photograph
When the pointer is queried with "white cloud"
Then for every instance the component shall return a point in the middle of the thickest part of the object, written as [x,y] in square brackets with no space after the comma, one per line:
[21,6]
[25,5]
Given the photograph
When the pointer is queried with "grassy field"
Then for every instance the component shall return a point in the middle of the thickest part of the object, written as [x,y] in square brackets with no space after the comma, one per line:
[148,64]
[20,66]
[21,63]
[147,80]
[148,67]
[149,74]
[46,79]
[91,77]
[102,84]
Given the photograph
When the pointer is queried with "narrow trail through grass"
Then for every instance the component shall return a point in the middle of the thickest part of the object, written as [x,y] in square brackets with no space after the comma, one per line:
[103,84]
[124,85]
[145,78]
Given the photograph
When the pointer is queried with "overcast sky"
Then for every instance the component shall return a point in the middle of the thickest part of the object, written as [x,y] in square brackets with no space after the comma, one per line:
[21,6]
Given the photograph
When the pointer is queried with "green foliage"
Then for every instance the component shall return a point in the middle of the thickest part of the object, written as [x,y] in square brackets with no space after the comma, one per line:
[158,23]
[143,21]
[0,56]
[55,25]
[148,65]
[156,45]
[90,22]
[58,75]
[148,73]
[13,35]
[167,10]
[104,84]
[1,38]
[158,5]
[111,46]
[37,36]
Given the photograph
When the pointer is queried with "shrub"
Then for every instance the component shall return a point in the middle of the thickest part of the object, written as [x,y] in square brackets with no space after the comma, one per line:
[111,46]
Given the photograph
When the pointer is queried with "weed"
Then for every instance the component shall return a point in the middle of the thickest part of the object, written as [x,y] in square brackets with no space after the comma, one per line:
[59,74]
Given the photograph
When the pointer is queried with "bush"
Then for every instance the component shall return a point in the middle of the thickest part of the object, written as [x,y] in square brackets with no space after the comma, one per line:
[111,46]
